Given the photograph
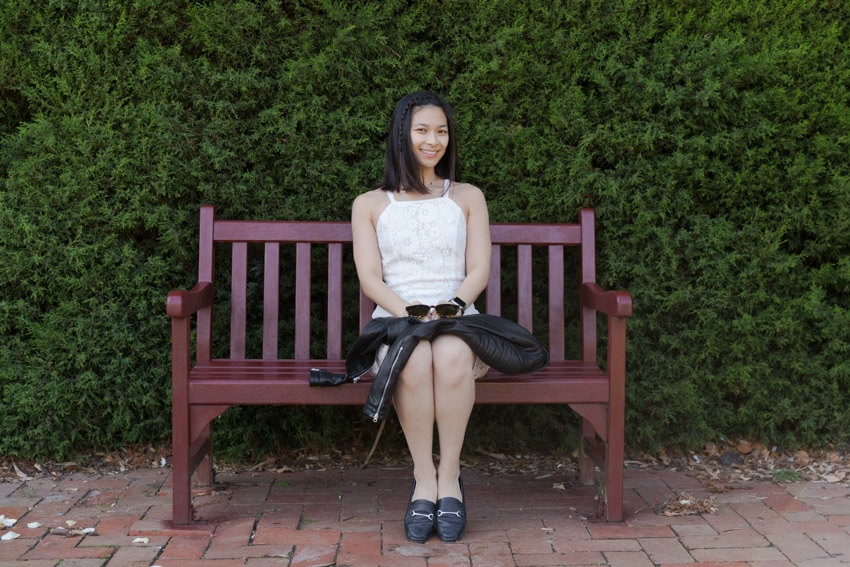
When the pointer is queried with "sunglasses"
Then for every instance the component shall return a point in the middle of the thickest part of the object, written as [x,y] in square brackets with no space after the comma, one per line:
[444,310]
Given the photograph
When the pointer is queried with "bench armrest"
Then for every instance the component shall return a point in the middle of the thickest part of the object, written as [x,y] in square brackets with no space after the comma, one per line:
[613,303]
[182,303]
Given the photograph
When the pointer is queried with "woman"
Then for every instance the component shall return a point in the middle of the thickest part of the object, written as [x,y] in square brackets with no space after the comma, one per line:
[423,238]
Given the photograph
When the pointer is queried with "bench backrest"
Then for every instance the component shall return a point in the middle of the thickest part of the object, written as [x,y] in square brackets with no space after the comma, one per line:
[303,235]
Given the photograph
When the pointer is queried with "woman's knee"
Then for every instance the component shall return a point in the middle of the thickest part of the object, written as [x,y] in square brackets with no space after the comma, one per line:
[452,360]
[418,369]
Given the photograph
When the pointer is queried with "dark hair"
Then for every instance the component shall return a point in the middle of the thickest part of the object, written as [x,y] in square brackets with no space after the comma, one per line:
[401,170]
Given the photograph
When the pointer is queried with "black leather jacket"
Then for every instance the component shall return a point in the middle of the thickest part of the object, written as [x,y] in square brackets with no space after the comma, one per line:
[500,343]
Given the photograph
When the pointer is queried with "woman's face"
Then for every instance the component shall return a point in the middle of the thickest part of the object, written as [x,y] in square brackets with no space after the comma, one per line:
[429,135]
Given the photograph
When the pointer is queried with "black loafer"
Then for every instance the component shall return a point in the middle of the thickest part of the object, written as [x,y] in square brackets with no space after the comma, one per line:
[419,520]
[451,517]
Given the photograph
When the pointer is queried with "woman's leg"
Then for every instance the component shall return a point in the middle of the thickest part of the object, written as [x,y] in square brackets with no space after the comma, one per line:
[414,405]
[454,396]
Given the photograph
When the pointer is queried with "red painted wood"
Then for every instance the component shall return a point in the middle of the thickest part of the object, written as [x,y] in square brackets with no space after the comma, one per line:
[180,368]
[324,232]
[367,306]
[556,302]
[615,303]
[588,274]
[535,234]
[212,385]
[271,293]
[206,273]
[494,282]
[182,303]
[260,391]
[238,299]
[616,368]
[334,349]
[302,300]
[524,290]
[282,231]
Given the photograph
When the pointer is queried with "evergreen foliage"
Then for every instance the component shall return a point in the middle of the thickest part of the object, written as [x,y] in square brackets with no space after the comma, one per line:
[711,138]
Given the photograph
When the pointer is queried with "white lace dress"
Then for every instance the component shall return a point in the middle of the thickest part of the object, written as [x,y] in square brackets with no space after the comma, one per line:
[423,253]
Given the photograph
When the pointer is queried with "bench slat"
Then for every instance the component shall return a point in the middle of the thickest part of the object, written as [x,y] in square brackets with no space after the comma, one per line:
[238,299]
[302,300]
[569,234]
[263,382]
[259,392]
[324,231]
[556,303]
[494,282]
[282,231]
[367,306]
[271,284]
[206,272]
[334,349]
[524,291]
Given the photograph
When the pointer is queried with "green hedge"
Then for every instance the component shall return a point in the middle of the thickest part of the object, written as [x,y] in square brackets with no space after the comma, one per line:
[711,138]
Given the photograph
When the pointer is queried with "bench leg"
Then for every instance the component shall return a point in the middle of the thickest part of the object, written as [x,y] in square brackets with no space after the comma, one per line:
[205,471]
[586,466]
[616,418]
[181,491]
[614,479]
[180,443]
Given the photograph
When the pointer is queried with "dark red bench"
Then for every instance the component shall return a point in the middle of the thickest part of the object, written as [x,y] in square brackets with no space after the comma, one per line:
[202,391]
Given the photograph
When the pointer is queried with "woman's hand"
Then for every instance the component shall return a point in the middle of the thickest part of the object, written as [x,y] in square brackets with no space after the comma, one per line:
[429,317]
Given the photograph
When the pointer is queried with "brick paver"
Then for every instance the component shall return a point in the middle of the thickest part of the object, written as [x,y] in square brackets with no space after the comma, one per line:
[353,518]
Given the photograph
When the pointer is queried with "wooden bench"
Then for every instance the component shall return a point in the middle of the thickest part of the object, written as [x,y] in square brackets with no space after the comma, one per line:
[202,391]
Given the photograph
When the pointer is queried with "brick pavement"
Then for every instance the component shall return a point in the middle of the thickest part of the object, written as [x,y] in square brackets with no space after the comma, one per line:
[353,517]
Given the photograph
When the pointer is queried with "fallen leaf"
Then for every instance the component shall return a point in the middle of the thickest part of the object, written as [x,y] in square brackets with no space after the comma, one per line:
[142,540]
[8,536]
[558,486]
[684,504]
[21,474]
[33,525]
[497,456]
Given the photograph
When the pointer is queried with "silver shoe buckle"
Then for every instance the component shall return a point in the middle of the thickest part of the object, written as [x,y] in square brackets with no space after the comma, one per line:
[441,513]
[415,513]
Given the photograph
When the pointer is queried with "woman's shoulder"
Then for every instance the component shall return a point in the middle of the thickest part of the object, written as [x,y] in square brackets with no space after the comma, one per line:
[370,198]
[467,192]
[369,204]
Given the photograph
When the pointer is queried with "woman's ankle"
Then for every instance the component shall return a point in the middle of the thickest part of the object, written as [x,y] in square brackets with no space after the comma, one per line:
[426,485]
[448,485]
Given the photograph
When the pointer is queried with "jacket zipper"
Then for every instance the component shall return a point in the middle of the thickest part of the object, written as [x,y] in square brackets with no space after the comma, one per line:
[386,385]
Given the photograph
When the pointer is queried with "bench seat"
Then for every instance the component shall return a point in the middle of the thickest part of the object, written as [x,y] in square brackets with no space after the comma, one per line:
[237,382]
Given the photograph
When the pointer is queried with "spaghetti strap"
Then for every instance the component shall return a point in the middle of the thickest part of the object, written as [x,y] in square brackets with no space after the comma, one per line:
[391,196]
[446,185]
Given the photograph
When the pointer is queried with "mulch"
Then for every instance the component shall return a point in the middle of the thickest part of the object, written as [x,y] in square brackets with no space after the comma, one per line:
[719,465]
